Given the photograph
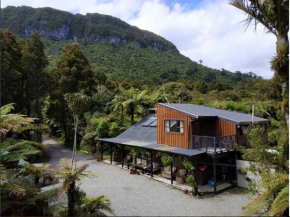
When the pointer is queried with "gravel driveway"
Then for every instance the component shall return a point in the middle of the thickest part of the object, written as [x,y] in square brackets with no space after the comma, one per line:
[133,195]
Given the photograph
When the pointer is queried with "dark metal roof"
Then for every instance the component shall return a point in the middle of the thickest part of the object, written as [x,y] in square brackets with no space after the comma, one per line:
[198,111]
[145,137]
[155,147]
[141,133]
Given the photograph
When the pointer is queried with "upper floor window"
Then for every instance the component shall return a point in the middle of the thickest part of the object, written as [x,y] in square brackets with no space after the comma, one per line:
[175,126]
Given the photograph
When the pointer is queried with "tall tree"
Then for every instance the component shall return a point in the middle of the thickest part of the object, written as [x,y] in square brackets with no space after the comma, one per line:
[274,16]
[71,74]
[34,62]
[11,74]
[77,103]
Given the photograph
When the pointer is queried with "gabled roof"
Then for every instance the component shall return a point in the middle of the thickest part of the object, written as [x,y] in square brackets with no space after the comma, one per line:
[199,112]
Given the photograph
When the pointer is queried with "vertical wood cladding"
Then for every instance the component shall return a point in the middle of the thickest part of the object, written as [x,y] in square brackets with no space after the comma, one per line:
[206,127]
[169,138]
[225,128]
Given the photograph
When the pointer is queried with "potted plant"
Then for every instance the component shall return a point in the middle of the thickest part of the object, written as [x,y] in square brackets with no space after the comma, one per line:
[190,180]
[133,170]
[242,171]
[166,160]
[187,166]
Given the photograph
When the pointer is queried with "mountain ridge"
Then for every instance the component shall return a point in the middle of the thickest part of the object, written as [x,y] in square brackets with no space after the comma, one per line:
[121,51]
[92,27]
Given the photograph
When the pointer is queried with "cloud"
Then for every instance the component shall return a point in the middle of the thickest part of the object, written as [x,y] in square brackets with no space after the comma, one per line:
[210,30]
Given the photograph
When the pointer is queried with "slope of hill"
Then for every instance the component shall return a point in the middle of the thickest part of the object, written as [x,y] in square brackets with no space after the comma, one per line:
[122,51]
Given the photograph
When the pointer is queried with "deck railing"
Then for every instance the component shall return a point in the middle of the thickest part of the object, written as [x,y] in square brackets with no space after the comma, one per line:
[212,144]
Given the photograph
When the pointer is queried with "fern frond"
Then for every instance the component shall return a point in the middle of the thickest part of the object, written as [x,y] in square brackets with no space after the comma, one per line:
[281,203]
[7,109]
[5,205]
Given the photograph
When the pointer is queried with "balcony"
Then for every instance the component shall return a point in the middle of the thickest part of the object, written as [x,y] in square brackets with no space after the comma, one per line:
[214,145]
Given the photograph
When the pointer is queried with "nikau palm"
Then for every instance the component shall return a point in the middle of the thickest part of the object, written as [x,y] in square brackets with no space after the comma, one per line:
[274,16]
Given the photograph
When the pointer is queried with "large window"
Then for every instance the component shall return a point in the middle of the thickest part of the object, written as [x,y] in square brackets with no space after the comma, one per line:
[175,126]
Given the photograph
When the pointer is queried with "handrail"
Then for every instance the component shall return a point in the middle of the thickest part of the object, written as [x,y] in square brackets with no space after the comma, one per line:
[217,143]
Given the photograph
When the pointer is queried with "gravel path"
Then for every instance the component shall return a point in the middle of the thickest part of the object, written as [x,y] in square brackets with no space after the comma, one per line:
[133,195]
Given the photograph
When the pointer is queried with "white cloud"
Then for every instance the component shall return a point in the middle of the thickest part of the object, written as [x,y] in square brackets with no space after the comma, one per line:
[212,31]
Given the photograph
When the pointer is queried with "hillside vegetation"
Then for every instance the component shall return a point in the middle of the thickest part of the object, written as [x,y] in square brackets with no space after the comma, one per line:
[121,51]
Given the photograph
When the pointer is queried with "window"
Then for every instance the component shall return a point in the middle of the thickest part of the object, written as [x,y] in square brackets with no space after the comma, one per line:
[174,126]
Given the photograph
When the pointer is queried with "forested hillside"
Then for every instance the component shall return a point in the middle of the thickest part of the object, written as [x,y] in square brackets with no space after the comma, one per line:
[121,51]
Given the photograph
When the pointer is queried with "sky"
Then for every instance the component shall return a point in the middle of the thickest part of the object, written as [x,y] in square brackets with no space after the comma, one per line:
[207,30]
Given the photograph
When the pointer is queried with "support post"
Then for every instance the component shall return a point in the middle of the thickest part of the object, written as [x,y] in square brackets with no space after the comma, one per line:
[220,143]
[171,165]
[214,143]
[195,177]
[231,169]
[111,152]
[102,143]
[214,174]
[151,163]
[122,155]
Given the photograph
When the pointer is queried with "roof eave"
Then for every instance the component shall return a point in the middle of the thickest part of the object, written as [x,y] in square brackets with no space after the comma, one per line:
[183,112]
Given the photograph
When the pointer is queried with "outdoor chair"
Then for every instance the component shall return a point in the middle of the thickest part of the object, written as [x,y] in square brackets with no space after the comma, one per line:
[166,173]
[180,175]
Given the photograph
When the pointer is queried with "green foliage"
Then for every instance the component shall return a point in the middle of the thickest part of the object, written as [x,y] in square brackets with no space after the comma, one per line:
[166,160]
[263,159]
[103,129]
[11,75]
[190,180]
[12,150]
[187,165]
[21,197]
[115,130]
[78,203]
[33,63]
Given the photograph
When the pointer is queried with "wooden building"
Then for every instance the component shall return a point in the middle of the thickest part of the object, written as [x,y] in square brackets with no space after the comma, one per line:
[204,135]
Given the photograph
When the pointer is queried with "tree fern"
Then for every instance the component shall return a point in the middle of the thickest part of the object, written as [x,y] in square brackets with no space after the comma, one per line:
[281,202]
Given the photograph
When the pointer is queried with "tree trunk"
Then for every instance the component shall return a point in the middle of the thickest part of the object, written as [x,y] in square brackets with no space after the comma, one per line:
[75,139]
[282,69]
[132,115]
[282,45]
[71,199]
[122,107]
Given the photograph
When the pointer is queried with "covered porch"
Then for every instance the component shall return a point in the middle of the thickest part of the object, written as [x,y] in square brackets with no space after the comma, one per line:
[195,156]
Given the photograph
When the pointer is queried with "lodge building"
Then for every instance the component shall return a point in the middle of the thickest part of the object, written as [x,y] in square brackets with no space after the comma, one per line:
[205,136]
